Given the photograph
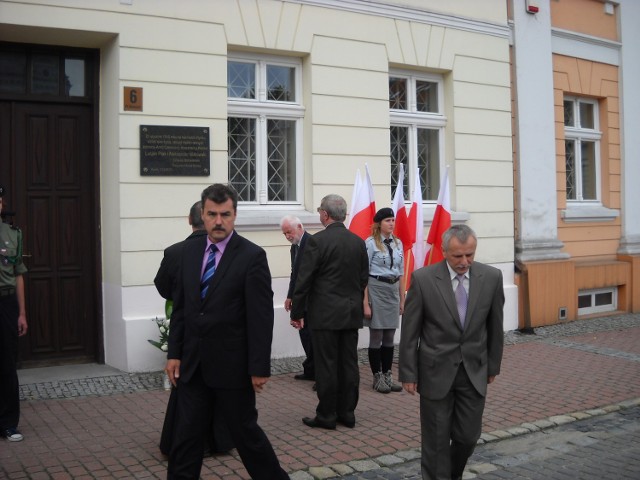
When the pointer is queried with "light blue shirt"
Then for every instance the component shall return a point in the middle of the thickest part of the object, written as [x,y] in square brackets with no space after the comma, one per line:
[380,261]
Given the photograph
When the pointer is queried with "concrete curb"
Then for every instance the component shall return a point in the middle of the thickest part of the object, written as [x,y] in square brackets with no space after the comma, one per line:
[357,466]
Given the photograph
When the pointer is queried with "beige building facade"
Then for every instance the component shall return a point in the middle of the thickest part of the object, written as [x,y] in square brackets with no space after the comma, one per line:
[294,97]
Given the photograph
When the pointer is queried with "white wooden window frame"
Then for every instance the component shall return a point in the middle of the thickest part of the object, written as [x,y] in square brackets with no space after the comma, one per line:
[612,307]
[261,109]
[414,120]
[579,134]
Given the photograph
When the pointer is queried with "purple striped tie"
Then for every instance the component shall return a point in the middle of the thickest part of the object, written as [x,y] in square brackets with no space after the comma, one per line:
[461,299]
[209,270]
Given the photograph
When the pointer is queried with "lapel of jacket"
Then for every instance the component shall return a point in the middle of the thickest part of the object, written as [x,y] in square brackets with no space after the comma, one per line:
[443,284]
[475,280]
[230,252]
[192,267]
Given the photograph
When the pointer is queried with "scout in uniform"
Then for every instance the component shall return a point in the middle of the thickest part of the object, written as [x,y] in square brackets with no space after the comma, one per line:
[13,324]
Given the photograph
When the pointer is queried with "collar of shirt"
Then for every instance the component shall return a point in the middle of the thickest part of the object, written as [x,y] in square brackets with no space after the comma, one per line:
[453,275]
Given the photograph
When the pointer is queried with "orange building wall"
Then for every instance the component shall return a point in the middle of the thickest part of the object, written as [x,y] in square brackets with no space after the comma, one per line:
[591,19]
[572,76]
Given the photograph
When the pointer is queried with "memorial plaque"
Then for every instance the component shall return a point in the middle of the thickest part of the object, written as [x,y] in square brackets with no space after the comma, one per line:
[174,151]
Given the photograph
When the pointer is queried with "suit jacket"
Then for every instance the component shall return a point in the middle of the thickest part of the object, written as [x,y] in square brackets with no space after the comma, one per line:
[167,277]
[295,263]
[229,332]
[334,271]
[432,341]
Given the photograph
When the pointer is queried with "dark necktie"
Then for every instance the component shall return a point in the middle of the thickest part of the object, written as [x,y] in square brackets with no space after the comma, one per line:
[387,242]
[294,253]
[461,299]
[209,270]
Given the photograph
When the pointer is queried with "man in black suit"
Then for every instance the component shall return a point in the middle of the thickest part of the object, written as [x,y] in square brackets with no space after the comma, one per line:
[450,350]
[220,341]
[168,273]
[328,298]
[217,438]
[295,233]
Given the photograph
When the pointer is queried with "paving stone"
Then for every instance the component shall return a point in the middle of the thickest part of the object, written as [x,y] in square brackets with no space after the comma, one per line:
[321,473]
[385,460]
[561,419]
[342,469]
[363,465]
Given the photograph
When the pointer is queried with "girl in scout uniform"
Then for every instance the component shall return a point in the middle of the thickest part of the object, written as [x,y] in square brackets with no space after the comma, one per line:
[13,324]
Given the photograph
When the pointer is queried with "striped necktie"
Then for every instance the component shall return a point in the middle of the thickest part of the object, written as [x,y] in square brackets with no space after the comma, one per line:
[209,270]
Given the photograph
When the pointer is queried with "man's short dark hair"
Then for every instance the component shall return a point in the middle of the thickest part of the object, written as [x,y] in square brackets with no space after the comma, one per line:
[195,215]
[220,193]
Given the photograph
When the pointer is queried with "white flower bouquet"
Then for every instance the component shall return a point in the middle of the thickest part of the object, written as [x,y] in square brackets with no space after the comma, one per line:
[163,327]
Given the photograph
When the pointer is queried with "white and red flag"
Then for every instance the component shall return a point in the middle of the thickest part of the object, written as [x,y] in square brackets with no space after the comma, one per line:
[440,224]
[363,206]
[415,257]
[402,230]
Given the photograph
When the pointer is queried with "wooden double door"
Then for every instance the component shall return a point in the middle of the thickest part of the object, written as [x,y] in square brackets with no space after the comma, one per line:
[48,165]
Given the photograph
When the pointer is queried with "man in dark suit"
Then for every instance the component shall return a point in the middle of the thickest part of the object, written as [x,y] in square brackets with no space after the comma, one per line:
[220,341]
[217,438]
[450,350]
[168,273]
[295,233]
[328,298]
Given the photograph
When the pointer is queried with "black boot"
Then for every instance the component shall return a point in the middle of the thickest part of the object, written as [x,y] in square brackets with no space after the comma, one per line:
[374,360]
[386,356]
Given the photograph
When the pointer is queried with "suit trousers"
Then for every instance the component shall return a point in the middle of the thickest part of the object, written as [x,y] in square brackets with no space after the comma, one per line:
[196,404]
[308,365]
[337,374]
[450,428]
[9,385]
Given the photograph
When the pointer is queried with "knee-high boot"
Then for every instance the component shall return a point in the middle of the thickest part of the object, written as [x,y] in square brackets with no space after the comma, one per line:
[386,357]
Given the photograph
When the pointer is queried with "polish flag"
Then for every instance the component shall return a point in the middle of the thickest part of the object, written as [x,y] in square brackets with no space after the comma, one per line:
[363,206]
[440,224]
[402,230]
[416,222]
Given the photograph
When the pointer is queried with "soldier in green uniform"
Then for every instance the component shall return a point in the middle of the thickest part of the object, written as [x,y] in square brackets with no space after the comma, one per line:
[13,324]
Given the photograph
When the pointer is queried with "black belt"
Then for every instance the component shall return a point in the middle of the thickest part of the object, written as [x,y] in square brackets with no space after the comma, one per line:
[7,291]
[385,279]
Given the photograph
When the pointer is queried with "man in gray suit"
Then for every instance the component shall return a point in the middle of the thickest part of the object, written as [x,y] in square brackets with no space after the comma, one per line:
[330,288]
[451,349]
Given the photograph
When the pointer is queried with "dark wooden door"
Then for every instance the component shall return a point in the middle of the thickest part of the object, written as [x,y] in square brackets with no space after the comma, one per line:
[53,170]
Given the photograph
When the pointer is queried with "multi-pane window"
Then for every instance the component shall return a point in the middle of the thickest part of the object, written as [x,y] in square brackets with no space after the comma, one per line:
[417,124]
[264,129]
[582,149]
[51,74]
[597,301]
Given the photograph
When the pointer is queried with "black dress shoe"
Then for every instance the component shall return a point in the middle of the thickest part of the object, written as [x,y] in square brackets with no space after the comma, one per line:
[346,422]
[303,376]
[315,423]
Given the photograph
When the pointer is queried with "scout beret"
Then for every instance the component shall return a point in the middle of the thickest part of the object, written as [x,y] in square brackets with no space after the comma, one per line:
[382,214]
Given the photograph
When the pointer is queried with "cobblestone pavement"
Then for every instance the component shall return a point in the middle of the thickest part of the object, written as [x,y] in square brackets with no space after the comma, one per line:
[109,427]
[599,447]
